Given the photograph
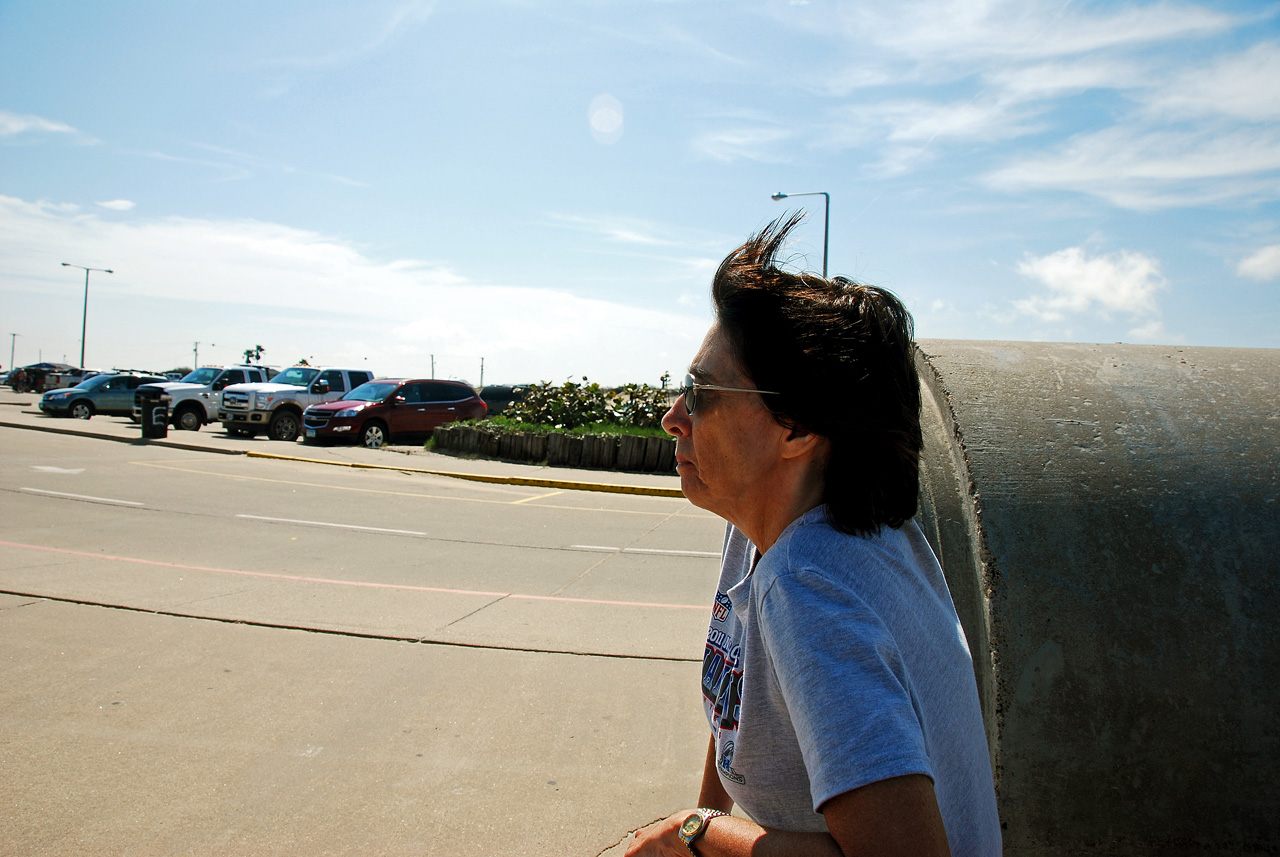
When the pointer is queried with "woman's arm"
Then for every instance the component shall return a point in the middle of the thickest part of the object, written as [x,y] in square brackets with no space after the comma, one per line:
[897,817]
[713,795]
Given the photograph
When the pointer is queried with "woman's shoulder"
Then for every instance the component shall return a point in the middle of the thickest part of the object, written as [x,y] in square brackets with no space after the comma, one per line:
[811,545]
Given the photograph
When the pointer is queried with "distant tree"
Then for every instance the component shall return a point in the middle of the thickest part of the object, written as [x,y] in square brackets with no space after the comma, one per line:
[303,362]
[254,354]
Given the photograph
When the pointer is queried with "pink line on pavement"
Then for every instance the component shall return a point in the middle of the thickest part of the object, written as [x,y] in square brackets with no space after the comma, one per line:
[368,585]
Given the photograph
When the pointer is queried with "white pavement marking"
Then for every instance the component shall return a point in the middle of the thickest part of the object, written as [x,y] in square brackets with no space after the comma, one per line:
[49,468]
[607,549]
[83,497]
[326,524]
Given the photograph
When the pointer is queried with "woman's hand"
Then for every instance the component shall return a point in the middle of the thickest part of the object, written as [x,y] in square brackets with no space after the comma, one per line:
[661,839]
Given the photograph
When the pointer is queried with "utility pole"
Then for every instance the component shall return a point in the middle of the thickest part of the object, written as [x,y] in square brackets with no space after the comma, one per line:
[84,322]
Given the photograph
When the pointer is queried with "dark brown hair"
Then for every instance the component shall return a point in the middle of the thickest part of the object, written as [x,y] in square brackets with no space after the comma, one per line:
[842,357]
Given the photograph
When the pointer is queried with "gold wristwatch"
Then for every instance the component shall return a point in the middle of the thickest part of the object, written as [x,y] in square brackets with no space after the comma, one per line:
[696,825]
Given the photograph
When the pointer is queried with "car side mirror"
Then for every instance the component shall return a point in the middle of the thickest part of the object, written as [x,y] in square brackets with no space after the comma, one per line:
[321,387]
[399,400]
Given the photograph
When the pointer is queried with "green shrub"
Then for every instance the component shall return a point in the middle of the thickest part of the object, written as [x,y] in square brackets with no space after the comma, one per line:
[571,405]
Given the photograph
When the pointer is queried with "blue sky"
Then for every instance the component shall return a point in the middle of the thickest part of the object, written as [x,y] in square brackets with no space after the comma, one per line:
[547,186]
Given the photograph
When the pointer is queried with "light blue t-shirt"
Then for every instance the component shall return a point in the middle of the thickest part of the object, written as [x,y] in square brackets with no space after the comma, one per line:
[838,662]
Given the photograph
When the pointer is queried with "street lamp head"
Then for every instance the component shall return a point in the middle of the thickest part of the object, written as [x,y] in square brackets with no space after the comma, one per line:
[66,264]
[778,195]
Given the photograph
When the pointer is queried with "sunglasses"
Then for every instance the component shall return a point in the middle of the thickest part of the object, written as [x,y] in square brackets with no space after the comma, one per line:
[690,392]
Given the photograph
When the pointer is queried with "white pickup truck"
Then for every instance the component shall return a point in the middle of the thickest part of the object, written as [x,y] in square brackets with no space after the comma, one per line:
[192,401]
[276,408]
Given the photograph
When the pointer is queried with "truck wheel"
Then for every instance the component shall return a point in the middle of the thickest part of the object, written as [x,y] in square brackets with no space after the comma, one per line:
[82,410]
[187,418]
[284,426]
[374,435]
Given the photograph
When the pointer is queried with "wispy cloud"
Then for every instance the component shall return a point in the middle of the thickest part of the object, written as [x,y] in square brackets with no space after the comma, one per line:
[741,141]
[117,204]
[1244,86]
[404,16]
[14,124]
[966,32]
[1151,169]
[1175,119]
[623,230]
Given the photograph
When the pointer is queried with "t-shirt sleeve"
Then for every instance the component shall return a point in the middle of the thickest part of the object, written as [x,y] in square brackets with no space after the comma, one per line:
[843,682]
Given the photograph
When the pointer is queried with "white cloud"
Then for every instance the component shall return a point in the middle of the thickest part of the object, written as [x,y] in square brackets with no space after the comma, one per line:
[11,124]
[302,293]
[1263,265]
[117,204]
[1123,282]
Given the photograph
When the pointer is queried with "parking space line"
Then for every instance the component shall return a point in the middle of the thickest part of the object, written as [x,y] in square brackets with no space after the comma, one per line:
[537,497]
[690,511]
[658,551]
[106,500]
[338,526]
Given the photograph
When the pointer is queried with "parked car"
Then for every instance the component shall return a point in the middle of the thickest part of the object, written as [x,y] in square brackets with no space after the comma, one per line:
[373,413]
[498,396]
[276,407]
[110,393]
[192,401]
[38,377]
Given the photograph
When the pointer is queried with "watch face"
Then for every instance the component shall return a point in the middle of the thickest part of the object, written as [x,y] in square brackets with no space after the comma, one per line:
[691,825]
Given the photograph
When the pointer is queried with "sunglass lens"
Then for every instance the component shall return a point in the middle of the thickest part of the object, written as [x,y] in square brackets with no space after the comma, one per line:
[690,394]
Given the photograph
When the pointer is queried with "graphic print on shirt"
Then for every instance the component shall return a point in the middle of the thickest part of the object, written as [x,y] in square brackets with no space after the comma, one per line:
[722,688]
[726,764]
[720,610]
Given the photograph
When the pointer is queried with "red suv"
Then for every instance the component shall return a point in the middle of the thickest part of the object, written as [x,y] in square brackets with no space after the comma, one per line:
[384,407]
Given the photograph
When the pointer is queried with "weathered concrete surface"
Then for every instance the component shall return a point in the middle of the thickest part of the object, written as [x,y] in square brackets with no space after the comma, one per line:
[1107,517]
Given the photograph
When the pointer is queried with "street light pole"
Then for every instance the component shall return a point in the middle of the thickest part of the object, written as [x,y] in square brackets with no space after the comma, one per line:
[13,340]
[84,322]
[826,219]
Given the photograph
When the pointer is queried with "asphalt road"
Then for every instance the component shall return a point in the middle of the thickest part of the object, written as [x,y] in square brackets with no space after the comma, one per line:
[206,653]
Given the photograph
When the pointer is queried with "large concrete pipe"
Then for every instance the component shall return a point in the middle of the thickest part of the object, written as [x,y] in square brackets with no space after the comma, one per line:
[1107,518]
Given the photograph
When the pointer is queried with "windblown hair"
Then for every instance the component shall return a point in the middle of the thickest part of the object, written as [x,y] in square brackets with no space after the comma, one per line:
[841,356]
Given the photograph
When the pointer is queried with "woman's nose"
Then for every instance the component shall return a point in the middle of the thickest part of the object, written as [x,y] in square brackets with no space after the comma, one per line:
[676,420]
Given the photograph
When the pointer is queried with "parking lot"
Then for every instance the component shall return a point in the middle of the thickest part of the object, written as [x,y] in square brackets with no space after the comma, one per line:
[206,650]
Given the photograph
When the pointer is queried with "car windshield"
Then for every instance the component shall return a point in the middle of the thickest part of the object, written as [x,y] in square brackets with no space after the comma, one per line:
[296,376]
[95,382]
[373,391]
[203,377]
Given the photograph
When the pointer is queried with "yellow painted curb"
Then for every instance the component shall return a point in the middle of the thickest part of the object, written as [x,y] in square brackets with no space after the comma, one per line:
[501,480]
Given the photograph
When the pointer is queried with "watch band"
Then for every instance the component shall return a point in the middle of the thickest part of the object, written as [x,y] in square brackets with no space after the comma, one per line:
[696,825]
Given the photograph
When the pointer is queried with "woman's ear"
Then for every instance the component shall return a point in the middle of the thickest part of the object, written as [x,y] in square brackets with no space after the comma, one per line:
[799,443]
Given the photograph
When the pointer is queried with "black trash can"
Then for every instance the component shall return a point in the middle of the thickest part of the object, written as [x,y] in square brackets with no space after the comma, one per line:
[155,413]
